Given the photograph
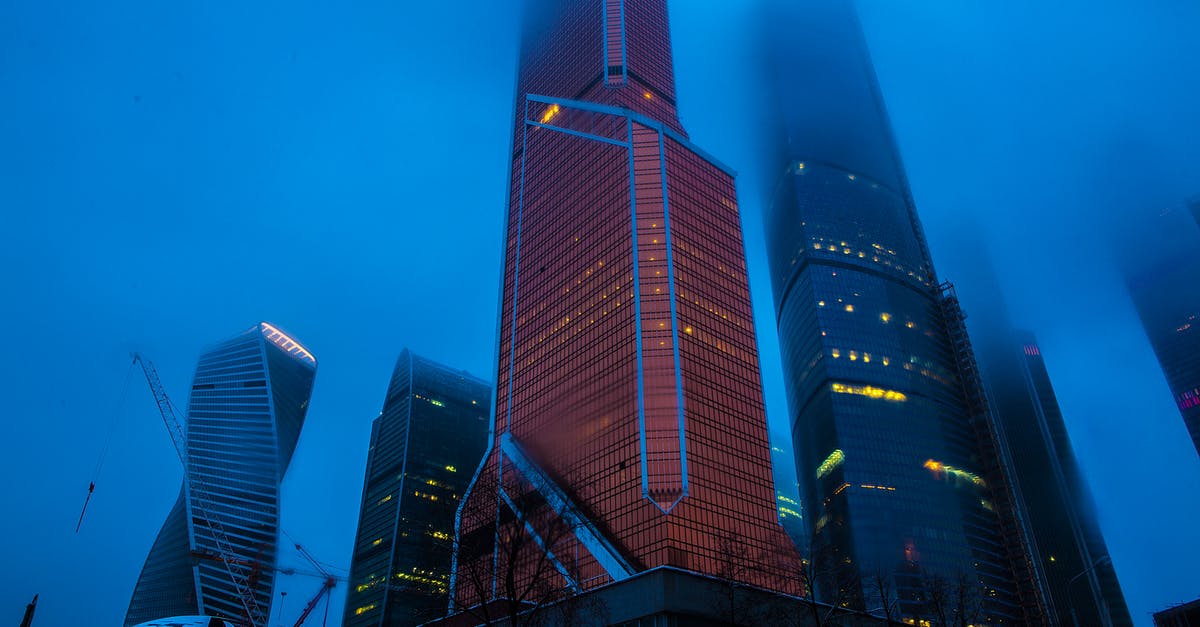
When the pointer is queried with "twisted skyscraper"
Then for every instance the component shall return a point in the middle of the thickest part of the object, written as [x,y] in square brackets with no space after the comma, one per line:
[249,397]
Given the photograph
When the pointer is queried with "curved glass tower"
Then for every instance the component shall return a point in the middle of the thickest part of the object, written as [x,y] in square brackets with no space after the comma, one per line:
[895,454]
[248,401]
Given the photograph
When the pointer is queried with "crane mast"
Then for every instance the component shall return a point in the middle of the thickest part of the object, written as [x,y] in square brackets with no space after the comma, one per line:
[240,571]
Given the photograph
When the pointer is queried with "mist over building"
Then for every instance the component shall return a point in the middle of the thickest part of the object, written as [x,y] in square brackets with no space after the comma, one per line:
[248,400]
[899,466]
[425,446]
[1162,282]
[1070,553]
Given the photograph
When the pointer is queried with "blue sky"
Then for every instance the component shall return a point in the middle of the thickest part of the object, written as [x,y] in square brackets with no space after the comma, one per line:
[172,173]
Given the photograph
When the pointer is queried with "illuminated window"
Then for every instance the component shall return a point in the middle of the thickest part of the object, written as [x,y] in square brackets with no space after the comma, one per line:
[834,460]
[550,113]
[869,391]
[885,317]
[849,308]
[942,470]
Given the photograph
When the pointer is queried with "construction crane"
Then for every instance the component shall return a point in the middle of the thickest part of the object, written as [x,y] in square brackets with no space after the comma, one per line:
[326,586]
[328,581]
[242,573]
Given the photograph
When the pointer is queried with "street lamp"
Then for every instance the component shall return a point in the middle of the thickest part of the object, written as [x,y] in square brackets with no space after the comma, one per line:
[1071,598]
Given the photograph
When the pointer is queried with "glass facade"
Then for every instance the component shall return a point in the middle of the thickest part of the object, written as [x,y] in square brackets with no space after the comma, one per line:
[898,464]
[629,401]
[425,445]
[248,401]
[1163,291]
[1071,550]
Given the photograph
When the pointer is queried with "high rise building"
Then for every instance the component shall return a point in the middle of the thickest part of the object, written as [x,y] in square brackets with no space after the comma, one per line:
[900,467]
[787,493]
[1078,579]
[629,411]
[425,446]
[1071,554]
[248,401]
[1162,284]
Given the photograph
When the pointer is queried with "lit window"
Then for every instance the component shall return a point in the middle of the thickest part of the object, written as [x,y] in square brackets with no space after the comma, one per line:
[550,113]
[451,469]
[869,391]
[648,96]
[885,317]
[850,308]
[834,460]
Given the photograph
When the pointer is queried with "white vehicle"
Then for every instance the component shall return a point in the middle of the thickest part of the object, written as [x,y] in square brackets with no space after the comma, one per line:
[187,621]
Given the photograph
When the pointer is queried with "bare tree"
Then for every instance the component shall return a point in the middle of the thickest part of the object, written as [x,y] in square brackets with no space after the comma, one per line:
[882,589]
[957,603]
[507,568]
[735,563]
[826,581]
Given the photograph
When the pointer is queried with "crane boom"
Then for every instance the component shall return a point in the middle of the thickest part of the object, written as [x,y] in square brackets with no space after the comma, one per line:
[328,585]
[240,571]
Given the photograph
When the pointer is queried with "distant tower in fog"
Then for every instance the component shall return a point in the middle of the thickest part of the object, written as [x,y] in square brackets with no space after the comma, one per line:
[1069,547]
[425,445]
[1079,580]
[1163,283]
[898,462]
[249,398]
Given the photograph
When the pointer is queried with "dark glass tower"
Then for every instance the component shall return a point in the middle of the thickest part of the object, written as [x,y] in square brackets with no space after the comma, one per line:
[425,445]
[1070,549]
[248,401]
[1162,285]
[898,461]
[1079,582]
[629,403]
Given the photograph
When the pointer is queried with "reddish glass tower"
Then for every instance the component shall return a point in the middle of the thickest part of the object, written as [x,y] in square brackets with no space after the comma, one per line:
[629,408]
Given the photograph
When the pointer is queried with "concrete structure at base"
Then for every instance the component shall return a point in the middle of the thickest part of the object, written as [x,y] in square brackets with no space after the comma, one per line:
[1185,615]
[671,597]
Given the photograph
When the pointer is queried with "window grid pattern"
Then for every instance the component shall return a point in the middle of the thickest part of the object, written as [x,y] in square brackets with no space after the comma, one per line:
[584,184]
[871,373]
[425,445]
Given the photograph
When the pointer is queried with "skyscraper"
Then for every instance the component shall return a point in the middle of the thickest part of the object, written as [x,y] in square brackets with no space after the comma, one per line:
[898,461]
[425,445]
[629,407]
[248,401]
[1162,284]
[1071,552]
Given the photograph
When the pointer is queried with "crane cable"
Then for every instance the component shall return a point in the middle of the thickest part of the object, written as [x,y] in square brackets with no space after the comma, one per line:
[112,427]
